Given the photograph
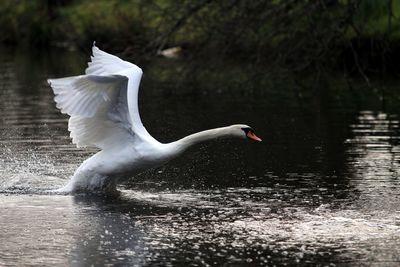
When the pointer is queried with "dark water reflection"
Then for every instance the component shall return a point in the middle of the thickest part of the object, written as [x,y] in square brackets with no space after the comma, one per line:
[322,189]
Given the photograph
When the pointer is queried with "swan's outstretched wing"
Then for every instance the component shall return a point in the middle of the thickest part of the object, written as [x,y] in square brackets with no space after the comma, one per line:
[105,64]
[103,103]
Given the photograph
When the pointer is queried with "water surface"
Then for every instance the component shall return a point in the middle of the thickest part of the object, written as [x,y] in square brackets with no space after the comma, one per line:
[322,189]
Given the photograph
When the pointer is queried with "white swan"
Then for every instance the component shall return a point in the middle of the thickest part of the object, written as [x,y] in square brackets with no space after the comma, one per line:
[103,110]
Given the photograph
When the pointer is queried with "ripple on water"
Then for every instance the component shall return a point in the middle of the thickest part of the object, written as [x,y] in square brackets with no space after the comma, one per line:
[295,233]
[373,161]
[201,226]
[280,214]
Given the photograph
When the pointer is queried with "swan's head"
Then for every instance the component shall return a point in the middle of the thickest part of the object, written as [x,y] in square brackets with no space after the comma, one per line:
[245,131]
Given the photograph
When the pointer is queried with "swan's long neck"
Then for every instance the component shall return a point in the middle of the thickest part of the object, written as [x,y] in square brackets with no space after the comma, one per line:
[196,138]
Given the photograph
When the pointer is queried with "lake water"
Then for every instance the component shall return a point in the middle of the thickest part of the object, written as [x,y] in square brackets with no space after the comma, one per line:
[321,189]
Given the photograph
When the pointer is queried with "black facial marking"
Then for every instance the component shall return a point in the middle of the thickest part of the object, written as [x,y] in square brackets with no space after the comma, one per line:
[247,130]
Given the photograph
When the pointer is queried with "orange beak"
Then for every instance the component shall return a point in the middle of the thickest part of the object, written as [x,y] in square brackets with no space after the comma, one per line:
[254,137]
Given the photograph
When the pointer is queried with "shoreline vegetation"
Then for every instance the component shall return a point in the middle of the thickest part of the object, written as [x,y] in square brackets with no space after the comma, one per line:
[360,38]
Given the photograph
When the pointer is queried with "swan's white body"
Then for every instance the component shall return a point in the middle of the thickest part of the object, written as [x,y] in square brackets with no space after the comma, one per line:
[103,105]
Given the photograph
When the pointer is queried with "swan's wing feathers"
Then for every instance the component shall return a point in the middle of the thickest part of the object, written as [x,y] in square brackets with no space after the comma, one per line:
[96,132]
[97,106]
[103,63]
[83,95]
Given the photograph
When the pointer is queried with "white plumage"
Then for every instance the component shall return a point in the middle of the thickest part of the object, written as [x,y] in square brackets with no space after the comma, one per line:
[103,110]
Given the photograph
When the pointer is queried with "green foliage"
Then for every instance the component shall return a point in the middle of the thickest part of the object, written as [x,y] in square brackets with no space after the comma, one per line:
[378,17]
[24,20]
[296,34]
